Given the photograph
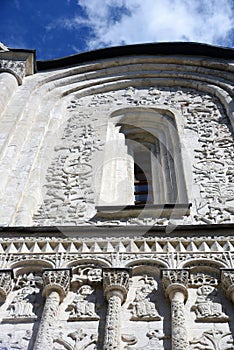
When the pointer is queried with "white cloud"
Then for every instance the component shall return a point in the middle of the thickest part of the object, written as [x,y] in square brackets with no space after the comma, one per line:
[117,22]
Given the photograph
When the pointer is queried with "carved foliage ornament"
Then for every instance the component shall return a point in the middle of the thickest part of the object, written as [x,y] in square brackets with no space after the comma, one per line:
[213,340]
[58,280]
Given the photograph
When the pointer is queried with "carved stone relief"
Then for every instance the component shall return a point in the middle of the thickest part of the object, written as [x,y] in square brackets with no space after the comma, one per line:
[214,339]
[27,299]
[83,305]
[206,307]
[19,67]
[142,308]
[154,343]
[69,194]
[76,340]
[69,183]
[15,340]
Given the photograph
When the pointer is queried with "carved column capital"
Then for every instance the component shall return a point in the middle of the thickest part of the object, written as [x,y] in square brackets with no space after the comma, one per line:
[116,282]
[175,280]
[227,280]
[57,280]
[6,276]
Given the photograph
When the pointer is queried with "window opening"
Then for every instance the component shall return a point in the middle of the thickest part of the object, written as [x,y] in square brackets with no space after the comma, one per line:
[142,178]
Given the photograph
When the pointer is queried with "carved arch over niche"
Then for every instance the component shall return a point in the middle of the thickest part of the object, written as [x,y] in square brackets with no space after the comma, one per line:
[87,262]
[146,265]
[203,263]
[30,265]
[134,135]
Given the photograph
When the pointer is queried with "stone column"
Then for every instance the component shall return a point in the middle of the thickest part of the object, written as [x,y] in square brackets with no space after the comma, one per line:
[6,276]
[227,280]
[175,284]
[115,284]
[56,285]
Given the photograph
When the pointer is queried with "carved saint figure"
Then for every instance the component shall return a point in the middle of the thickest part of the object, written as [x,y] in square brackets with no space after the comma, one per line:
[142,307]
[23,303]
[83,305]
[206,307]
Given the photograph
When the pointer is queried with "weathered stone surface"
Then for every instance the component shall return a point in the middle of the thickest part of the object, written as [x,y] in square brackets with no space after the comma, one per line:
[81,266]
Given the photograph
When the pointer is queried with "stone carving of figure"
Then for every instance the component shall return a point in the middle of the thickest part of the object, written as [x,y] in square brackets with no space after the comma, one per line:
[206,307]
[24,303]
[142,307]
[154,342]
[83,305]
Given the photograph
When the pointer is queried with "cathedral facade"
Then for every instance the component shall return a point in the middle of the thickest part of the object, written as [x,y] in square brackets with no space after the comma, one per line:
[117,199]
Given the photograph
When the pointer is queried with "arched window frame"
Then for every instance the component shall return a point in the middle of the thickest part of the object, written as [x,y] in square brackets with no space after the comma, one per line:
[169,184]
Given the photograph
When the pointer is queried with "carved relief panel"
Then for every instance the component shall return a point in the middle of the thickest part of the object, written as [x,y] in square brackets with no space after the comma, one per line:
[209,313]
[146,315]
[207,136]
[21,312]
[81,316]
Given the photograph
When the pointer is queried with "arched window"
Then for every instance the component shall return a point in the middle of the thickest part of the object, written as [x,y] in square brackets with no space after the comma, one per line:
[143,163]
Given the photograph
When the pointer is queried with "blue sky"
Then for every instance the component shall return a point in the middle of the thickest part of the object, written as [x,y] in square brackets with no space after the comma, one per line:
[58,28]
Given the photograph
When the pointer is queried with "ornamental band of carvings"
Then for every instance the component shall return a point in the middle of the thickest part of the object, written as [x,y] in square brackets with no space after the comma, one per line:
[206,307]
[72,170]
